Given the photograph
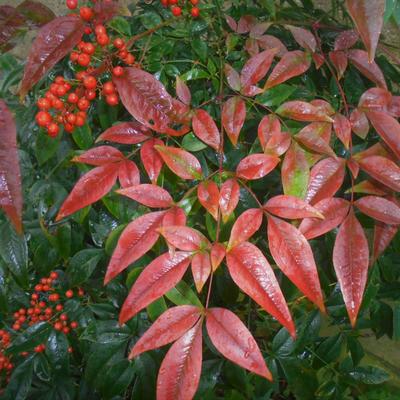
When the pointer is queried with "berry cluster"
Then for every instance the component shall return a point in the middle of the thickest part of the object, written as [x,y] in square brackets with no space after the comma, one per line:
[6,365]
[66,102]
[177,6]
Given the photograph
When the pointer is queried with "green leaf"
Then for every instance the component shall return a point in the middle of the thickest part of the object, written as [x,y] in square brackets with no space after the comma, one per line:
[155,309]
[82,265]
[14,252]
[46,147]
[356,350]
[57,352]
[276,96]
[396,321]
[191,143]
[146,375]
[28,339]
[121,25]
[369,375]
[82,136]
[182,294]
[199,45]
[20,382]
[150,19]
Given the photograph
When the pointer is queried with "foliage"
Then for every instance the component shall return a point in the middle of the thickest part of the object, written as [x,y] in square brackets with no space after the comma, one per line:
[272,173]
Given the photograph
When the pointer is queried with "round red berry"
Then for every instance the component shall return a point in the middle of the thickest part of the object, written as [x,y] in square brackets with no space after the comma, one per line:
[90,94]
[43,118]
[112,99]
[103,40]
[108,88]
[118,71]
[69,293]
[86,13]
[176,11]
[195,12]
[89,48]
[118,43]
[83,104]
[72,4]
[74,324]
[53,129]
[59,307]
[43,103]
[83,60]
[89,82]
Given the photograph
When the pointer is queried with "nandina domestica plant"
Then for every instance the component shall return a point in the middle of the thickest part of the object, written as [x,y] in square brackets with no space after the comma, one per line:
[235,177]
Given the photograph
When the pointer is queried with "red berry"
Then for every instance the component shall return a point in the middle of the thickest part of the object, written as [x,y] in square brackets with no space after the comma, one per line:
[42,304]
[59,307]
[90,82]
[63,317]
[57,104]
[79,121]
[43,103]
[48,311]
[89,48]
[72,4]
[100,30]
[22,319]
[103,40]
[72,98]
[122,54]
[53,275]
[130,59]
[118,71]
[83,60]
[164,3]
[34,296]
[118,43]
[46,288]
[194,2]
[66,330]
[88,30]
[108,88]
[68,128]
[22,311]
[112,99]
[16,326]
[195,12]
[86,13]
[69,293]
[176,11]
[58,326]
[71,119]
[81,292]
[70,350]
[38,287]
[53,129]
[74,324]
[74,56]
[43,118]
[83,104]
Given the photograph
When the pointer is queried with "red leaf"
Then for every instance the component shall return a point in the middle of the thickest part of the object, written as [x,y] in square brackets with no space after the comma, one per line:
[256,166]
[201,269]
[205,129]
[245,226]
[180,162]
[303,37]
[151,160]
[368,187]
[256,68]
[128,174]
[326,178]
[268,126]
[294,256]
[292,64]
[182,91]
[278,144]
[101,155]
[359,123]
[251,271]
[149,195]
[353,166]
[104,10]
[375,98]
[145,98]
[245,23]
[359,58]
[217,255]
[167,328]
[323,106]
[368,19]
[231,22]
[10,174]
[383,235]
[334,211]
[316,137]
[350,259]
[388,129]
[342,128]
[136,240]
[228,198]
[208,195]
[180,370]
[90,188]
[125,133]
[184,238]
[380,209]
[233,117]
[291,207]
[394,107]
[295,172]
[345,40]
[302,111]
[161,275]
[259,29]
[319,60]
[251,46]
[234,341]
[270,42]
[233,77]
[383,170]
[174,216]
[53,42]
[339,61]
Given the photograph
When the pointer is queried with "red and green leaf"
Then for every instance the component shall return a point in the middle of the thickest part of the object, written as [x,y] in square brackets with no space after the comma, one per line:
[229,198]
[148,195]
[379,208]
[233,117]
[256,166]
[205,129]
[291,207]
[100,155]
[208,195]
[125,133]
[247,224]
[303,111]
[184,238]
[151,159]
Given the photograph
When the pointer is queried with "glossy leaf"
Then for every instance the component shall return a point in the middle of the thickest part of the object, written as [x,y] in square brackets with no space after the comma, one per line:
[217,255]
[271,42]
[136,240]
[383,170]
[294,256]
[205,129]
[10,174]
[128,174]
[90,188]
[303,37]
[170,326]
[339,61]
[201,269]
[174,216]
[256,166]
[208,195]
[229,198]
[251,271]
[53,42]
[303,111]
[359,123]
[182,91]
[125,133]
[368,18]
[291,207]
[184,238]
[293,63]
[380,209]
[316,137]
[326,178]
[247,224]
[267,128]
[182,163]
[100,155]
[233,117]
[233,77]
[161,275]
[342,128]
[345,40]
[350,259]
[180,371]
[388,129]
[383,235]
[234,341]
[334,211]
[151,160]
[375,99]
[148,195]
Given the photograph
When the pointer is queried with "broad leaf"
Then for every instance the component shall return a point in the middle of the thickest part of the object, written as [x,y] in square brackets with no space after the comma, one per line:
[234,341]
[182,91]
[316,137]
[161,275]
[303,111]
[233,117]
[291,207]
[339,61]
[126,133]
[148,195]
[256,166]
[267,128]
[251,271]
[383,235]
[294,256]
[233,77]
[229,198]
[184,238]
[208,195]
[217,254]
[342,128]
[345,40]
[151,159]
[100,155]
[205,129]
[359,123]
[375,99]
[201,269]
[245,226]
[303,37]
[350,259]
[128,174]
[379,208]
